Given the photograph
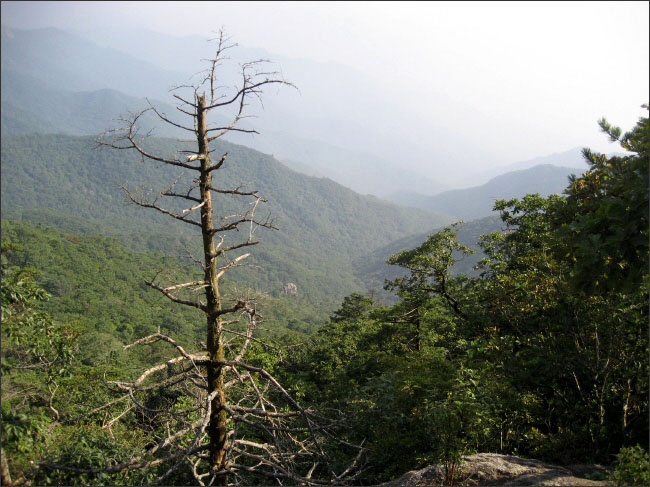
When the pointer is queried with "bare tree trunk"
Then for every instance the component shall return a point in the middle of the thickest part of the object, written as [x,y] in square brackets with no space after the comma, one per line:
[214,371]
[216,355]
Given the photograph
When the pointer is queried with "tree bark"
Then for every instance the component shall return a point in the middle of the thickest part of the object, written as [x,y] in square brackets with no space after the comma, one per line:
[216,355]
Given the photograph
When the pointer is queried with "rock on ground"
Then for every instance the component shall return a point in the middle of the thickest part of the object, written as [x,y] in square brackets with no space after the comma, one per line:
[495,469]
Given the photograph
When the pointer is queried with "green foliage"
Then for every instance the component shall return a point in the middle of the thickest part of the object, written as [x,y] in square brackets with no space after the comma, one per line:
[410,406]
[631,467]
[66,182]
[376,270]
[354,307]
[32,339]
[605,222]
[571,354]
[20,430]
[98,285]
[429,264]
[88,448]
[37,353]
[518,358]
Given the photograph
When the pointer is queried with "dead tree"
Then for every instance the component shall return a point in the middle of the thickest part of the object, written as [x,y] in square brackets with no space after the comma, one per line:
[242,420]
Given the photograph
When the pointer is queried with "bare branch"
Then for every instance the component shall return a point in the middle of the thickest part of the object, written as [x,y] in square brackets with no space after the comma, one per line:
[185,101]
[51,399]
[230,264]
[125,139]
[237,192]
[218,164]
[129,386]
[247,90]
[225,250]
[160,209]
[164,118]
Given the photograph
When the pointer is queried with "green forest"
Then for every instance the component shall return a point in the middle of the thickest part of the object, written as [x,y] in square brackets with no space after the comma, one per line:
[324,228]
[178,309]
[540,350]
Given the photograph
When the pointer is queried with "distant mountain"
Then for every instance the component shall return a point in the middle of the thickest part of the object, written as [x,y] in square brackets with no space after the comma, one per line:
[364,172]
[58,82]
[29,106]
[65,182]
[63,61]
[571,158]
[477,202]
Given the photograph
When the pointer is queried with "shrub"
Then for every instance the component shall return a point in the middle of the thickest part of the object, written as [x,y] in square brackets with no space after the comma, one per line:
[631,467]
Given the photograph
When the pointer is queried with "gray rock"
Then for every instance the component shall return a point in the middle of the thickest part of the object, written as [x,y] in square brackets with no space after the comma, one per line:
[290,288]
[506,470]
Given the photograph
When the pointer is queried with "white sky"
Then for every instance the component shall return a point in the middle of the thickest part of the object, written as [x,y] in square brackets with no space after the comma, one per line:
[525,79]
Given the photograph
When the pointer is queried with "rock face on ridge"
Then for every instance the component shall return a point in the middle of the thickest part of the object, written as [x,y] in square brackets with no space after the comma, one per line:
[290,288]
[495,469]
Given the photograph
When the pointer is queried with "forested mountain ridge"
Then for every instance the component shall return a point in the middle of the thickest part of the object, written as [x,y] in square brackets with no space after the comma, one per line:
[72,65]
[29,106]
[66,181]
[477,202]
[72,99]
[570,159]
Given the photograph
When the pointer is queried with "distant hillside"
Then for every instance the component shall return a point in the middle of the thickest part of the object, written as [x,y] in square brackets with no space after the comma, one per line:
[572,158]
[55,81]
[64,61]
[29,106]
[477,202]
[364,172]
[64,181]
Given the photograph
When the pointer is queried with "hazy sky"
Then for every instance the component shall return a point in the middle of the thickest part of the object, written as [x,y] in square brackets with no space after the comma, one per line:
[527,79]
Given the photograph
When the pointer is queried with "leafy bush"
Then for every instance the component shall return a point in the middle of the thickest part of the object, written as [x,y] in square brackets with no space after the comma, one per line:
[631,467]
[87,448]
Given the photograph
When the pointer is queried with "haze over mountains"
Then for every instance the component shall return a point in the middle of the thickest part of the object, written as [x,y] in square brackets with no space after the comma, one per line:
[332,242]
[313,128]
[477,202]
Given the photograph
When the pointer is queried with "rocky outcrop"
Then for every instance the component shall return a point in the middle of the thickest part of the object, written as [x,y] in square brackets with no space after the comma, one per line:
[290,288]
[495,469]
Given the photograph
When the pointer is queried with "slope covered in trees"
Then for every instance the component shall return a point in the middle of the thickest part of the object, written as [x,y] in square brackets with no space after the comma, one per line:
[98,283]
[523,358]
[29,106]
[477,202]
[73,64]
[66,182]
